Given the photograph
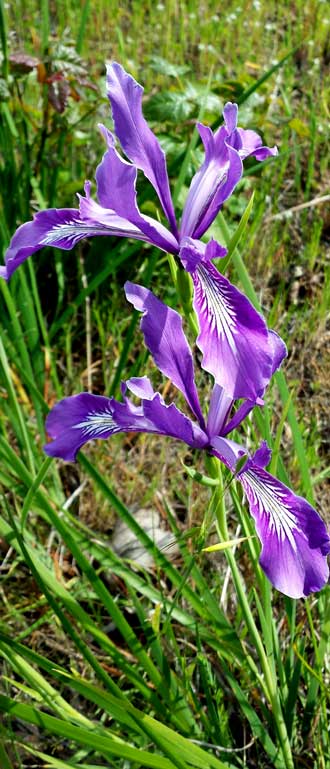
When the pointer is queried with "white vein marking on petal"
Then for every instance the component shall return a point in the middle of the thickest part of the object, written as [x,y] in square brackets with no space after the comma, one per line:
[270,501]
[74,230]
[217,305]
[97,423]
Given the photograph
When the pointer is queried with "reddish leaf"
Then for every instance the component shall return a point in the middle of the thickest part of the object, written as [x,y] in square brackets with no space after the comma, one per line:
[21,63]
[58,94]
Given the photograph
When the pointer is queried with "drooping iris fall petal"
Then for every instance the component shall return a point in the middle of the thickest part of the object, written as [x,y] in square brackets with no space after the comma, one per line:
[231,331]
[293,536]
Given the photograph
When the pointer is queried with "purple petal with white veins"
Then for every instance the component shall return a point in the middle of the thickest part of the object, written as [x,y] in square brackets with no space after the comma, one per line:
[294,538]
[59,227]
[137,139]
[81,418]
[164,337]
[228,451]
[76,420]
[212,184]
[116,179]
[232,334]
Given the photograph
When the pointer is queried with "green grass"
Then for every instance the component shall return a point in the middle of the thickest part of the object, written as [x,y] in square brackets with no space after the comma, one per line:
[197,662]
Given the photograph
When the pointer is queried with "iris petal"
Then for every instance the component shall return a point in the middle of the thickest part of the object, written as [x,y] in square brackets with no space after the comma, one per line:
[116,180]
[136,138]
[228,451]
[61,228]
[293,536]
[81,418]
[231,330]
[212,184]
[164,337]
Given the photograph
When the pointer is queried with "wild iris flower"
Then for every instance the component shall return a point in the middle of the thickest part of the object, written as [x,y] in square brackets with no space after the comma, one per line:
[293,536]
[228,323]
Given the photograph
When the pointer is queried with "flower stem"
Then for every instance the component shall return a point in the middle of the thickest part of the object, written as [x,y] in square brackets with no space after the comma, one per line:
[270,687]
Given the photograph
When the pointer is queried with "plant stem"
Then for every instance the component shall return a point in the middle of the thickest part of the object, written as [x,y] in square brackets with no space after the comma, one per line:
[214,469]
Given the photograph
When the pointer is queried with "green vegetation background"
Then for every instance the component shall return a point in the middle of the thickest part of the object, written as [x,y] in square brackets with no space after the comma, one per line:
[158,640]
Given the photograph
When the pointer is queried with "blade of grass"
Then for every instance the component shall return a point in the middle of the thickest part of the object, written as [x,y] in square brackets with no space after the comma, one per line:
[105,746]
[82,26]
[237,236]
[26,442]
[261,80]
[54,592]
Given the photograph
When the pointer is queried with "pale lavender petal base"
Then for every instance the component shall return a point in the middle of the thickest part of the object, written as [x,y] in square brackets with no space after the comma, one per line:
[228,451]
[294,538]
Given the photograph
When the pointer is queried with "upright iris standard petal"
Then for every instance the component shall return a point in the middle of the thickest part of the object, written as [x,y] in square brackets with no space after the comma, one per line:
[293,536]
[231,331]
[164,337]
[81,418]
[136,138]
[249,143]
[115,181]
[212,184]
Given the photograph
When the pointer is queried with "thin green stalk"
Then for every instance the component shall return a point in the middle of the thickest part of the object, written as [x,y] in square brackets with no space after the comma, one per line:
[34,487]
[82,27]
[45,25]
[17,334]
[5,761]
[43,327]
[270,680]
[18,412]
[4,38]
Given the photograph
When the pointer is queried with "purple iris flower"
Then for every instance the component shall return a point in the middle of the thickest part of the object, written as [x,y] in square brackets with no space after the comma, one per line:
[228,323]
[293,536]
